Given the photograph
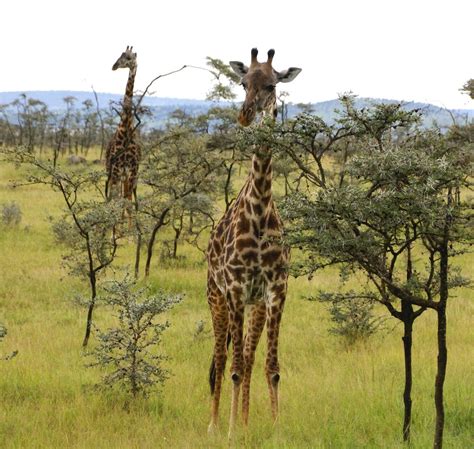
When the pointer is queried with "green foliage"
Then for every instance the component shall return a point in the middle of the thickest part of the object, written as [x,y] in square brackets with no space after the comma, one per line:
[225,80]
[88,233]
[468,88]
[224,142]
[11,214]
[392,191]
[180,170]
[129,351]
[352,315]
[376,121]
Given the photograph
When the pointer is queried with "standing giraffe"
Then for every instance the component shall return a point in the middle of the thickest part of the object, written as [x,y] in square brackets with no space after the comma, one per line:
[122,157]
[247,264]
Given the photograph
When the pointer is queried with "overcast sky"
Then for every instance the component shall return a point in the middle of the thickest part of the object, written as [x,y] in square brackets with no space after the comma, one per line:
[413,50]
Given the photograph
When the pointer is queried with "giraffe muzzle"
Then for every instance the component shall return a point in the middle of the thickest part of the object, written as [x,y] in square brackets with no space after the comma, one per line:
[247,115]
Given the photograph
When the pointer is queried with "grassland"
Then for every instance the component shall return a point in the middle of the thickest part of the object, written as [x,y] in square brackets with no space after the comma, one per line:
[331,396]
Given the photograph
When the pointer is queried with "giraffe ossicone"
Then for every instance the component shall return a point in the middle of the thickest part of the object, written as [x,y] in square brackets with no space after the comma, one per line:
[247,263]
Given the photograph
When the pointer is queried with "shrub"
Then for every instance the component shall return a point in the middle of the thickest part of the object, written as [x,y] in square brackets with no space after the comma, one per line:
[129,351]
[3,333]
[11,214]
[352,316]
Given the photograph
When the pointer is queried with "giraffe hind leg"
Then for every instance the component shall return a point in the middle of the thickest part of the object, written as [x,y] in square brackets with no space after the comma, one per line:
[212,368]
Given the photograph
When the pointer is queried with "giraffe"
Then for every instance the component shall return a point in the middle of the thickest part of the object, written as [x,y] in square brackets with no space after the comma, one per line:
[247,264]
[122,156]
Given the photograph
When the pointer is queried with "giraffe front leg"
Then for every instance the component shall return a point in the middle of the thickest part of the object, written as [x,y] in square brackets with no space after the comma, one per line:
[256,322]
[236,318]
[275,304]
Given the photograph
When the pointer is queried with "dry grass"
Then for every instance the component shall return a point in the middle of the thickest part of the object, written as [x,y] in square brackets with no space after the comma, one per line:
[331,397]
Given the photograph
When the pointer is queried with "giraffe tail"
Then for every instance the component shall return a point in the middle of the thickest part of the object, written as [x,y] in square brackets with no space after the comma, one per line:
[212,369]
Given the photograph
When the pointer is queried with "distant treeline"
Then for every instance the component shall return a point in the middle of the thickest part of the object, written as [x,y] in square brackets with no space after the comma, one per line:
[75,121]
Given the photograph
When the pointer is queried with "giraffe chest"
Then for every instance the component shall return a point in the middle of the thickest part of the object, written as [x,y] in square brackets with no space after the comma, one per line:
[246,254]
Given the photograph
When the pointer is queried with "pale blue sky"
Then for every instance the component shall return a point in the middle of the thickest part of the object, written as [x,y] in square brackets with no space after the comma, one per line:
[417,50]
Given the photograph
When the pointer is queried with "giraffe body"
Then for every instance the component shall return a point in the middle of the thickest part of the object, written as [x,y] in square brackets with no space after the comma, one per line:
[122,156]
[247,263]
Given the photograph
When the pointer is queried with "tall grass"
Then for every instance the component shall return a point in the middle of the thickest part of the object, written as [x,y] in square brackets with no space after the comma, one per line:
[331,396]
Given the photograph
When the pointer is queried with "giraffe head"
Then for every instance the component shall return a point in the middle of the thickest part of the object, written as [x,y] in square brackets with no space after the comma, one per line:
[259,81]
[127,60]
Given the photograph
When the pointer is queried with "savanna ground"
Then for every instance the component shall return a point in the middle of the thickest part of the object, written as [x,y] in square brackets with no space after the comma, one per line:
[331,396]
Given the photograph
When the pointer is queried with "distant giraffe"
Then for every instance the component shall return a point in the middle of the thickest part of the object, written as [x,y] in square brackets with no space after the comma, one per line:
[122,157]
[247,264]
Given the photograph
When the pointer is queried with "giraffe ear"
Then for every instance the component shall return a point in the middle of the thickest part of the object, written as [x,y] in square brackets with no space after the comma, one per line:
[239,67]
[285,76]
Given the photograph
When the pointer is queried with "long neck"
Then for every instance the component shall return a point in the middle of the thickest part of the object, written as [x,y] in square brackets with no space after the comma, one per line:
[261,172]
[261,178]
[127,116]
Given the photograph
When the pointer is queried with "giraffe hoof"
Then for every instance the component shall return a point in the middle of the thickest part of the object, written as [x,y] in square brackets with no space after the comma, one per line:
[235,378]
[212,428]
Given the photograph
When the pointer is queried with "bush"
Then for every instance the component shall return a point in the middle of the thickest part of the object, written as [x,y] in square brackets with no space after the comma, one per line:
[129,351]
[3,333]
[11,214]
[352,316]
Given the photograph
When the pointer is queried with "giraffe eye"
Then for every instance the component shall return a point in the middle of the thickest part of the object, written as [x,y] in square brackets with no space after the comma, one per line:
[244,85]
[270,88]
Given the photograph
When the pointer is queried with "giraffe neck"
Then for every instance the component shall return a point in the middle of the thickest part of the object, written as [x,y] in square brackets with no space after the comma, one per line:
[127,111]
[260,178]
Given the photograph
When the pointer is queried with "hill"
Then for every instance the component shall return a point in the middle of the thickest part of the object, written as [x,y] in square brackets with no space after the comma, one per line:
[54,99]
[162,107]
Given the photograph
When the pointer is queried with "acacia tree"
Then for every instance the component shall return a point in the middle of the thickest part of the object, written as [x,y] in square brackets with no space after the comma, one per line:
[190,217]
[178,166]
[388,210]
[32,117]
[88,226]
